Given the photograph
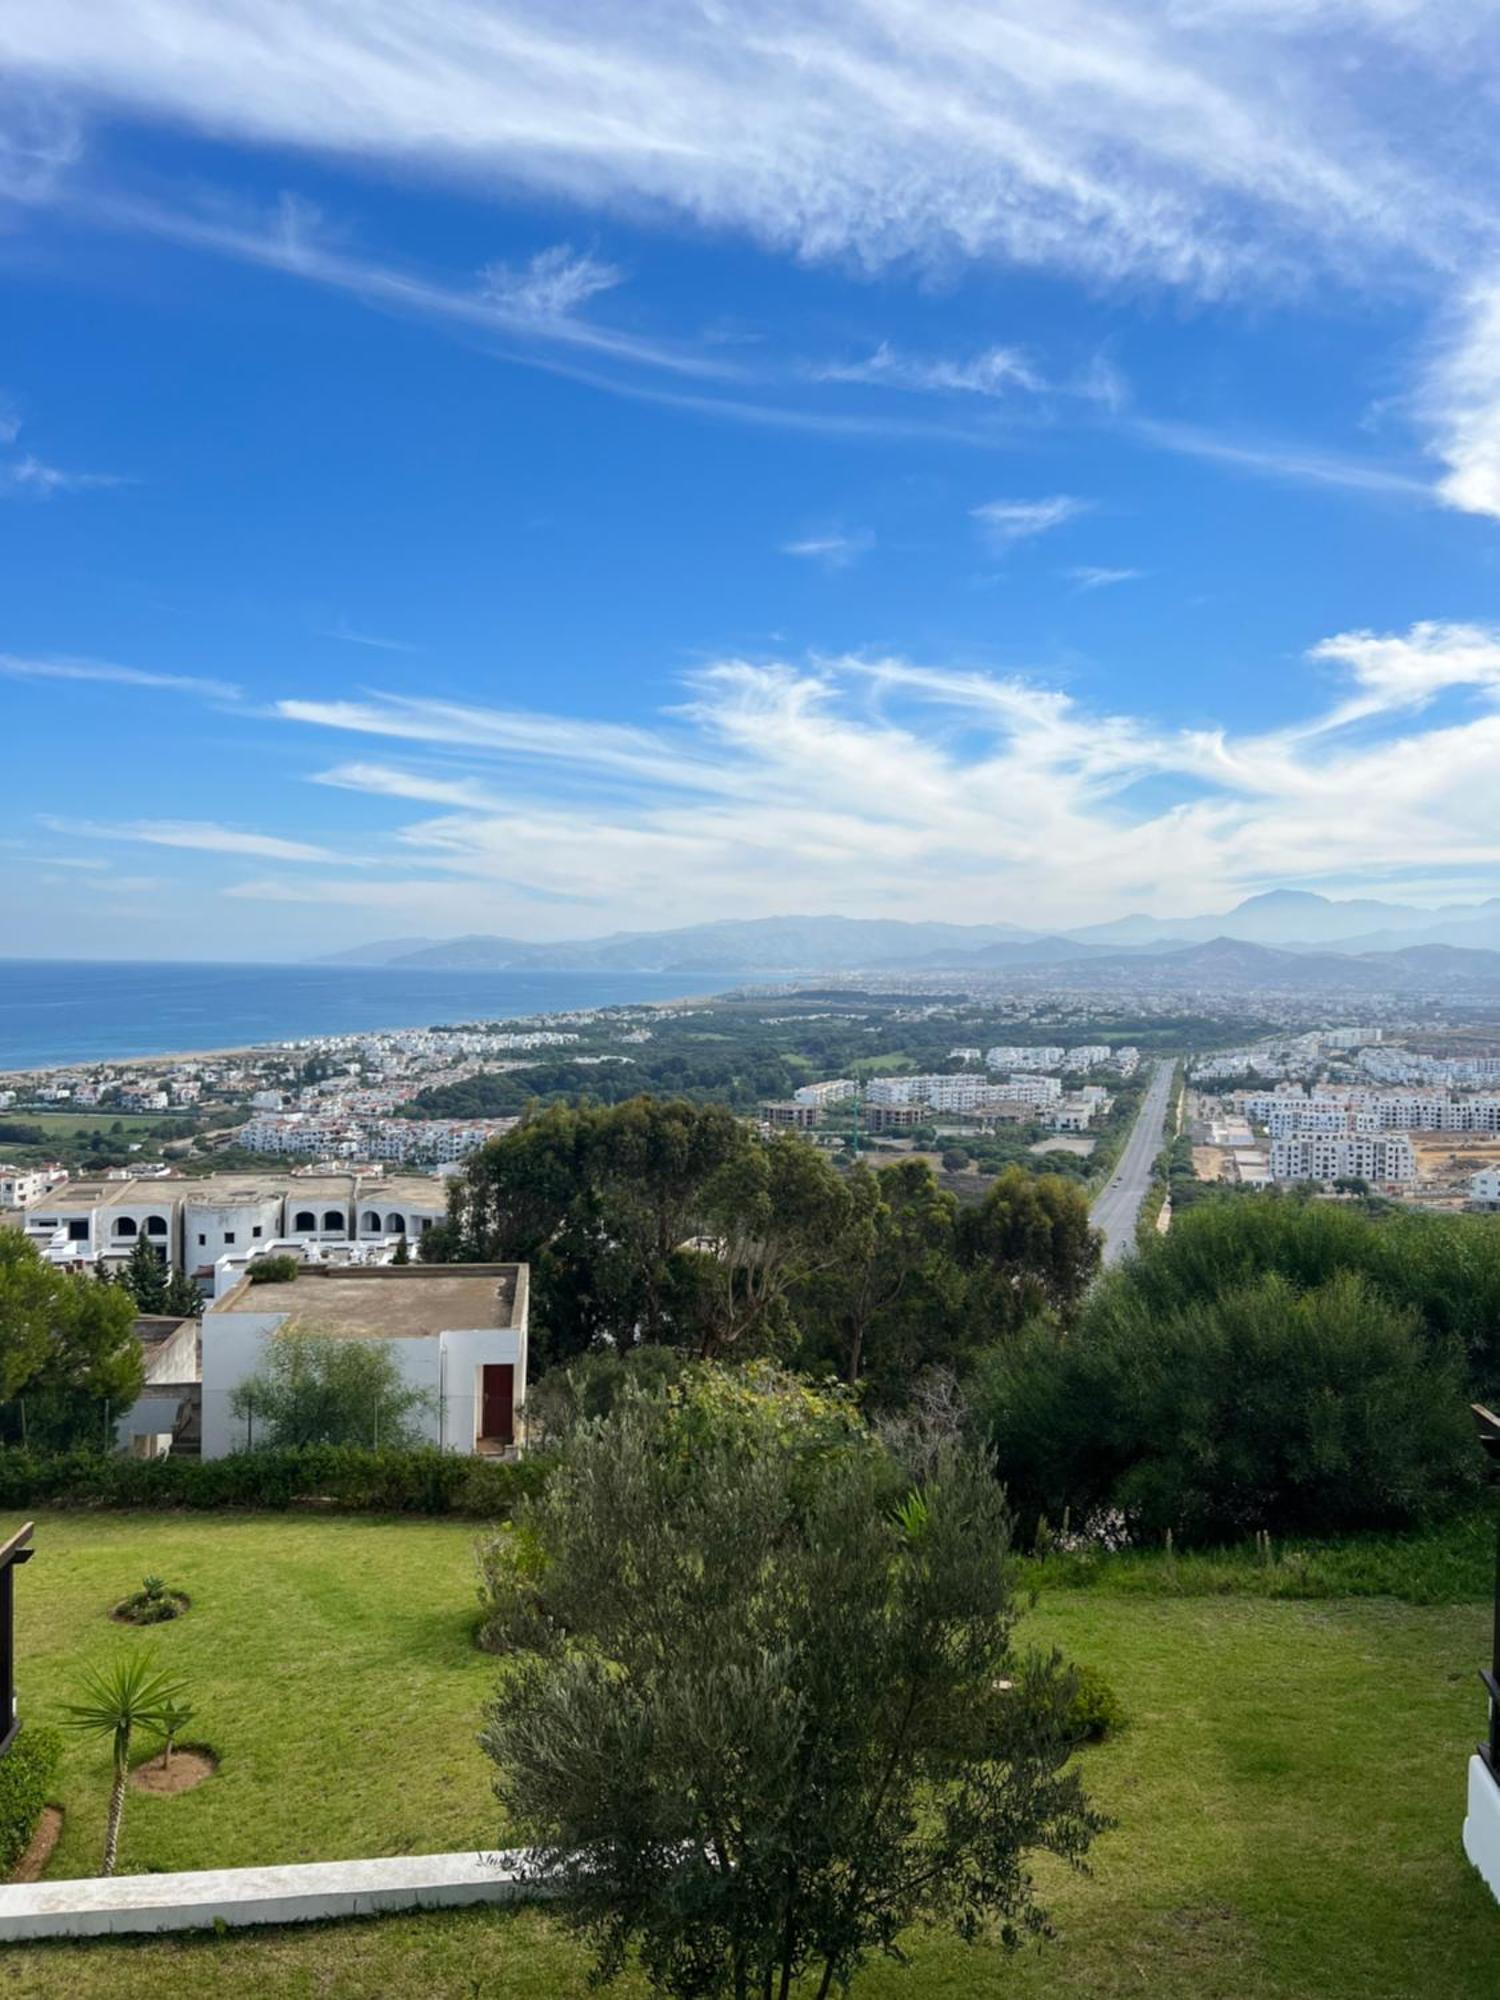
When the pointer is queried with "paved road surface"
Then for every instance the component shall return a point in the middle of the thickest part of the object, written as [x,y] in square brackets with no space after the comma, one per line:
[1118,1204]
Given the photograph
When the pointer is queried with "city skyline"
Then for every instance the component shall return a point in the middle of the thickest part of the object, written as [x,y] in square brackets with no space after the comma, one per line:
[558,476]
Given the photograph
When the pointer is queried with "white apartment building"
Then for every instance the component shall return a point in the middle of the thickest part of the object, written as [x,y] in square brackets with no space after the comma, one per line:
[1024,1058]
[888,1090]
[1092,1055]
[1484,1188]
[1317,1156]
[837,1091]
[193,1223]
[20,1186]
[1031,1089]
[965,1055]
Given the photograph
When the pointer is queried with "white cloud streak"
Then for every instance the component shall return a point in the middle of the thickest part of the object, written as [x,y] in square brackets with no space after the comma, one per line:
[18,667]
[833,550]
[31,477]
[997,371]
[1089,576]
[198,836]
[1207,146]
[1005,521]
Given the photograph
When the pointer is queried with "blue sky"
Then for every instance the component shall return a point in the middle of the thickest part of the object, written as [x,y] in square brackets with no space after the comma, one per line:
[552,469]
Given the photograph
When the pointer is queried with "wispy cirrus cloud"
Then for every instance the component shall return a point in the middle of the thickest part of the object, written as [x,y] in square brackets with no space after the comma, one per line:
[552,286]
[198,836]
[1002,522]
[1091,576]
[996,371]
[1202,148]
[107,672]
[835,549]
[33,477]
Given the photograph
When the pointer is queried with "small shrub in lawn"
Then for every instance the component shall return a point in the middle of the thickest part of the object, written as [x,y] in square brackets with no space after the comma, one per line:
[152,1604]
[1095,1710]
[26,1773]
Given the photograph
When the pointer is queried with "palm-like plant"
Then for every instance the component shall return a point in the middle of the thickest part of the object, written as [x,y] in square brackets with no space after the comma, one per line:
[175,1717]
[131,1693]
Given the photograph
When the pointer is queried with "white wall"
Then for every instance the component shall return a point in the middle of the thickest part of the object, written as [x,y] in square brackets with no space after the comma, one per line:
[252,1224]
[445,1366]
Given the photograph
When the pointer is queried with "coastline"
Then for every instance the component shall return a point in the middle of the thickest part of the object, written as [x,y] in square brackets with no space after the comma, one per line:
[169,1058]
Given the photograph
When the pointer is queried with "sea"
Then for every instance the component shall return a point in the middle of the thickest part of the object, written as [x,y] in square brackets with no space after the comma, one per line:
[71,1011]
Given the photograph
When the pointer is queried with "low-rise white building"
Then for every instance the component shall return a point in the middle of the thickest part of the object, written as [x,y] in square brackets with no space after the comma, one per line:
[457,1332]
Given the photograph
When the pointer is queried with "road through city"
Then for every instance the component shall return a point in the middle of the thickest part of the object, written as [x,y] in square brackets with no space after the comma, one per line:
[1118,1204]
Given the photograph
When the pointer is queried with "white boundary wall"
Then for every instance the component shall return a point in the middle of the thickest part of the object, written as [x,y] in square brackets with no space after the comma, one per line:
[301,1892]
[1482,1826]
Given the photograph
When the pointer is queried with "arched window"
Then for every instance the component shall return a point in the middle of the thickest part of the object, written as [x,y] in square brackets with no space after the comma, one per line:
[304,1220]
[372,1222]
[156,1225]
[395,1225]
[333,1219]
[125,1225]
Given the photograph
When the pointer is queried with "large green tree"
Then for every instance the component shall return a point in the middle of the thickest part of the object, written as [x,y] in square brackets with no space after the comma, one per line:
[1028,1247]
[68,1352]
[1307,1410]
[315,1388]
[764,1708]
[888,1301]
[145,1277]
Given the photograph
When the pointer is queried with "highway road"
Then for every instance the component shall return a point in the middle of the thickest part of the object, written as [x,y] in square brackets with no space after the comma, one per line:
[1118,1203]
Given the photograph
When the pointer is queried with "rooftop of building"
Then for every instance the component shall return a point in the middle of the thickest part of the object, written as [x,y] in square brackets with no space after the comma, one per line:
[210,1190]
[390,1301]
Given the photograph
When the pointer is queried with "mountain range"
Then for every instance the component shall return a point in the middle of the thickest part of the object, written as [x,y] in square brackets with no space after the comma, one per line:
[1290,939]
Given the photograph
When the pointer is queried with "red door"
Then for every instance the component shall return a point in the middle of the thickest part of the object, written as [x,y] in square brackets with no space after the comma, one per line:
[497,1402]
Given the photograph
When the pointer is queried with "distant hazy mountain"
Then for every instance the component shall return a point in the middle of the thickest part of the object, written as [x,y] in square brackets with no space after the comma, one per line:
[389,951]
[1297,917]
[753,945]
[1287,938]
[1235,964]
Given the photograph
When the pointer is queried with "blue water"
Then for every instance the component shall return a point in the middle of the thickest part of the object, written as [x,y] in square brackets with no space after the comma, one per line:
[54,1011]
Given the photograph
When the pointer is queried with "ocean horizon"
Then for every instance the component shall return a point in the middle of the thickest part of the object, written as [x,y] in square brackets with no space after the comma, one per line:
[58,1011]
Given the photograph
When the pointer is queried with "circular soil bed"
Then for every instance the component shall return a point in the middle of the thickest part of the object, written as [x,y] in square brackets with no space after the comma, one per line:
[187,1768]
[33,1863]
[125,1613]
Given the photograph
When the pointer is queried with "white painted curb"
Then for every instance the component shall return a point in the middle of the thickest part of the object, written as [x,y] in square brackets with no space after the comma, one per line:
[301,1892]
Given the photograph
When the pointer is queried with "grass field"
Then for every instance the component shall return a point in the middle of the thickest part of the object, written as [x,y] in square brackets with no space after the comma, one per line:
[132,1123]
[1289,1788]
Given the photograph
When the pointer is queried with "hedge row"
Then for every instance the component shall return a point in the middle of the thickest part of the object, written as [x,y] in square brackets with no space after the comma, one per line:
[26,1773]
[345,1477]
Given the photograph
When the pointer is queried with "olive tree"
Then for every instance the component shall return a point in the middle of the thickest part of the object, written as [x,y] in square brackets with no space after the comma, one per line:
[763,1708]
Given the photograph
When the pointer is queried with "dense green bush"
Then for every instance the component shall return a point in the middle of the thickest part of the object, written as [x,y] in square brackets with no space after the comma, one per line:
[1095,1710]
[1312,1411]
[26,1773]
[339,1476]
[279,1270]
[1444,1268]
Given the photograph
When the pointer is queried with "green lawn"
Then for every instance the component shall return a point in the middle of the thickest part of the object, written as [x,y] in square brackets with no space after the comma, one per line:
[132,1123]
[1289,1789]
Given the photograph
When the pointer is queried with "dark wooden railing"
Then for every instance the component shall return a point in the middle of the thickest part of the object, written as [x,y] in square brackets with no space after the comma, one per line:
[1489,1437]
[17,1550]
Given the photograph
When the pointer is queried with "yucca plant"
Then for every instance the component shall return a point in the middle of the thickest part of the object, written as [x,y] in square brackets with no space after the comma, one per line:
[128,1694]
[175,1717]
